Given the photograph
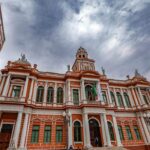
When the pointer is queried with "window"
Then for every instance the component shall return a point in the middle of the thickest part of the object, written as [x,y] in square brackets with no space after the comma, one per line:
[16,91]
[58,134]
[137,133]
[112,97]
[145,99]
[77,131]
[50,95]
[76,96]
[111,132]
[35,134]
[120,101]
[127,100]
[59,95]
[47,134]
[120,133]
[40,93]
[129,134]
[104,96]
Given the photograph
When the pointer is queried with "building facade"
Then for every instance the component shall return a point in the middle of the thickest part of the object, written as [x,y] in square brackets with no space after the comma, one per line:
[2,35]
[82,108]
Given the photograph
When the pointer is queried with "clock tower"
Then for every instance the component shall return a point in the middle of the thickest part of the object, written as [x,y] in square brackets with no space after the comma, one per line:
[82,61]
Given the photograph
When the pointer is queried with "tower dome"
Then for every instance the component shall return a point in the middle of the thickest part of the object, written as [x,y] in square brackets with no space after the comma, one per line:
[81,53]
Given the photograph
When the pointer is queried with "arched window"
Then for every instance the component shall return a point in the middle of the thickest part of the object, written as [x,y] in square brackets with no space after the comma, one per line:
[112,97]
[127,100]
[111,132]
[40,93]
[90,92]
[120,101]
[59,95]
[77,131]
[50,95]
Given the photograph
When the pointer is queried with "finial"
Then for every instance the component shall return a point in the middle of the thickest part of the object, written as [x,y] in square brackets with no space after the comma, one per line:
[68,67]
[137,73]
[128,77]
[103,71]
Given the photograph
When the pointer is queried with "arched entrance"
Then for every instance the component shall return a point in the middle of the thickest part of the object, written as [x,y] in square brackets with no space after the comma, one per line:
[94,133]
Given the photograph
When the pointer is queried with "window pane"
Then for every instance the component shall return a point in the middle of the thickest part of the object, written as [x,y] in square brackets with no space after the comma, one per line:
[104,96]
[137,133]
[35,134]
[47,134]
[111,132]
[16,91]
[77,132]
[76,96]
[120,132]
[129,135]
[50,95]
[127,100]
[58,134]
[145,99]
[40,93]
[112,97]
[120,101]
[59,95]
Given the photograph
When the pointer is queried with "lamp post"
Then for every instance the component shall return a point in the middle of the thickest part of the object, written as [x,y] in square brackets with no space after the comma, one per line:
[66,115]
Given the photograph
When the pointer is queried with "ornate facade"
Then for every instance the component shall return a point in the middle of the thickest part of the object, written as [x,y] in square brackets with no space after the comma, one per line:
[2,35]
[82,108]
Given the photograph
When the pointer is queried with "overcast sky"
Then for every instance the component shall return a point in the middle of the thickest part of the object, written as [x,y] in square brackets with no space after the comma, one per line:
[115,33]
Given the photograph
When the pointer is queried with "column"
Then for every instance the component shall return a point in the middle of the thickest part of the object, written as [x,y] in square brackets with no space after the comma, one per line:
[45,93]
[34,92]
[83,98]
[124,101]
[86,130]
[138,97]
[70,132]
[25,87]
[6,86]
[100,97]
[130,98]
[134,96]
[55,93]
[24,131]
[64,96]
[141,96]
[2,83]
[109,96]
[142,130]
[69,101]
[17,129]
[106,130]
[103,129]
[116,131]
[145,129]
[116,97]
[31,89]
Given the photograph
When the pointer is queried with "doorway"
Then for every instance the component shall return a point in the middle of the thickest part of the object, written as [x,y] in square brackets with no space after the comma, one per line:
[5,136]
[95,133]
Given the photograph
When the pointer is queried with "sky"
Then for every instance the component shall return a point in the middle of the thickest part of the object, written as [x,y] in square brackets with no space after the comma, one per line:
[115,33]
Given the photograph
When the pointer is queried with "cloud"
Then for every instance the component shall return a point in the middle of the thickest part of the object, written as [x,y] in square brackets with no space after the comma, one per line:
[115,33]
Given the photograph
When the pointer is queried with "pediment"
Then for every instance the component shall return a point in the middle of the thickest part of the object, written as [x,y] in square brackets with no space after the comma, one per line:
[89,73]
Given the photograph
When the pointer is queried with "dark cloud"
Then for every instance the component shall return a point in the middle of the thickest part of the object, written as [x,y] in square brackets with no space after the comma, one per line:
[115,33]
